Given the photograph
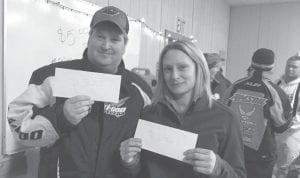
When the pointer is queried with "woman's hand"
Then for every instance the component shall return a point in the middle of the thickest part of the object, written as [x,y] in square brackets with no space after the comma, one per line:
[202,160]
[130,151]
[76,108]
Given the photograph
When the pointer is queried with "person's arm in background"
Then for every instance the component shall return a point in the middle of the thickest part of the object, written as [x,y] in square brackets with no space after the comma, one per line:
[296,118]
[281,111]
[295,125]
[226,95]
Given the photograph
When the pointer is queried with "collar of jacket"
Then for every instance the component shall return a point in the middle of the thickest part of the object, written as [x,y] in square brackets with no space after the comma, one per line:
[293,82]
[196,106]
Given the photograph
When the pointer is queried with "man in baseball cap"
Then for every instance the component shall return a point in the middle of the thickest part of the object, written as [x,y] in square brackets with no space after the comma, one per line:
[108,38]
[84,135]
[111,14]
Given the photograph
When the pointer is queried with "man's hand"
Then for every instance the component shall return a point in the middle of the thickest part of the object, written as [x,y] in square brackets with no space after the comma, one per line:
[130,151]
[77,107]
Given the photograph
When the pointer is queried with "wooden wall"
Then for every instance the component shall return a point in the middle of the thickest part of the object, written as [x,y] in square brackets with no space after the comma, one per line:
[274,26]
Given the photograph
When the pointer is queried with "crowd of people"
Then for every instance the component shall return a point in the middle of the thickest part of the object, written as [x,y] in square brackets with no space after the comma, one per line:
[244,128]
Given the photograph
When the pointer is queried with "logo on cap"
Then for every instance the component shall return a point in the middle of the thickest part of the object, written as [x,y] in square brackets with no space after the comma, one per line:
[111,12]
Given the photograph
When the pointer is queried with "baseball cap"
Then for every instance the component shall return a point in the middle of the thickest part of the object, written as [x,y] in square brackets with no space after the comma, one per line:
[111,14]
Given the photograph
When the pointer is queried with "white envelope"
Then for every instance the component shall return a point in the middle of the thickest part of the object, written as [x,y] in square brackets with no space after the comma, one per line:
[165,140]
[100,87]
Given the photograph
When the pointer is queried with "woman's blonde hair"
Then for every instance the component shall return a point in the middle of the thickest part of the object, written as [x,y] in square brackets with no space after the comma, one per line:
[202,84]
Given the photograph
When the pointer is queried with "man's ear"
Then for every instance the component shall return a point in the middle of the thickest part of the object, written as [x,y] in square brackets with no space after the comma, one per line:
[126,43]
[126,40]
[90,32]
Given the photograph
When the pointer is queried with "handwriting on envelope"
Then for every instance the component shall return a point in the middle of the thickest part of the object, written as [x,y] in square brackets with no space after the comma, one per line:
[165,140]
[100,87]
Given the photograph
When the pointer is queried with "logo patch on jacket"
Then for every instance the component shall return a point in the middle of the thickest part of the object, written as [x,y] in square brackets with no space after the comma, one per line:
[249,107]
[253,84]
[246,98]
[116,109]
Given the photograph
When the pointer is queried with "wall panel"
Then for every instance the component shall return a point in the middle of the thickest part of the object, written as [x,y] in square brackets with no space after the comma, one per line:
[274,26]
[1,71]
[206,20]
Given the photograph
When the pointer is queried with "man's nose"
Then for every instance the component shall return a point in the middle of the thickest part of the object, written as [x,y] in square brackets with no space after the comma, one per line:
[105,44]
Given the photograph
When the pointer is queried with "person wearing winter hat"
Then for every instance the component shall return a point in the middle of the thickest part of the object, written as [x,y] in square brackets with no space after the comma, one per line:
[263,59]
[84,135]
[263,109]
[218,81]
[288,161]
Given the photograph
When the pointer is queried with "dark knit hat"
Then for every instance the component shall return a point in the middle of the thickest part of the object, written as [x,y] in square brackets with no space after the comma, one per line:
[263,59]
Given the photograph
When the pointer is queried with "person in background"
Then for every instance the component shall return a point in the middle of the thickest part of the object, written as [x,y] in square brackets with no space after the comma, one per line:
[183,100]
[218,82]
[83,134]
[263,109]
[289,141]
[145,74]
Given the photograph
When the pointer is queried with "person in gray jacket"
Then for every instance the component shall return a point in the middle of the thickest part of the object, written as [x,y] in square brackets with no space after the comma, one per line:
[289,142]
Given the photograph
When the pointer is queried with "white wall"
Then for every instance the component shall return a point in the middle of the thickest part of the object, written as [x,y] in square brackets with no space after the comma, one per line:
[12,165]
[1,71]
[211,25]
[274,26]
[207,20]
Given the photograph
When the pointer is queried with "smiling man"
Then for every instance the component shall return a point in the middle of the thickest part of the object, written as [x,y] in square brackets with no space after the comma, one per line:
[289,142]
[83,134]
